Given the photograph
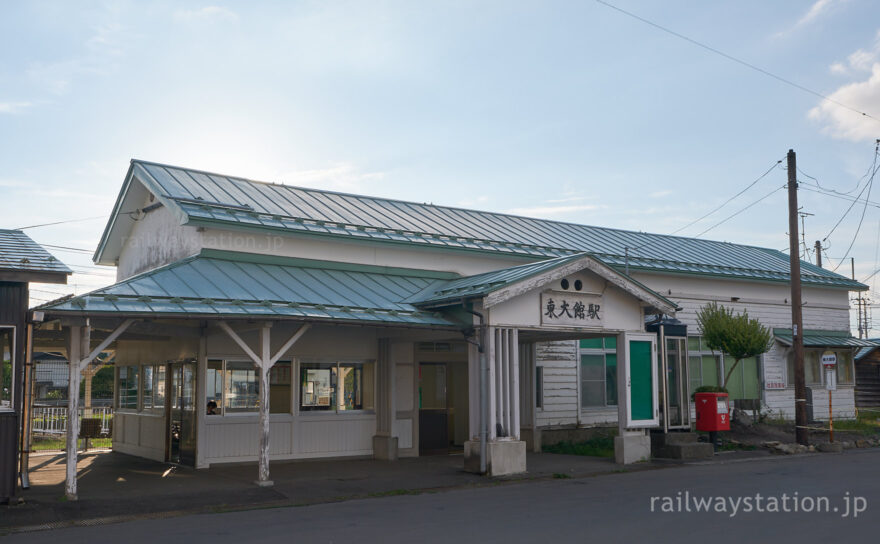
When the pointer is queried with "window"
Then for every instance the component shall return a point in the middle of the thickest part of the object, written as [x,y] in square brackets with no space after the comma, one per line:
[128,387]
[336,387]
[242,387]
[7,368]
[154,387]
[814,375]
[706,367]
[234,387]
[539,387]
[598,365]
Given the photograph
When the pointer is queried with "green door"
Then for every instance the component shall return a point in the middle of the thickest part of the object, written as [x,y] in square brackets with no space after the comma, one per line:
[641,380]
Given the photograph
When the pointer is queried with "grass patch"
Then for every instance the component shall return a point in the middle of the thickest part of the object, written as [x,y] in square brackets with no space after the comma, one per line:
[49,444]
[561,476]
[868,424]
[395,492]
[598,446]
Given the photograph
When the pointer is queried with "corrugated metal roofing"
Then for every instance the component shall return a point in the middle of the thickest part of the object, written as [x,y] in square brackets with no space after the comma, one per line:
[212,198]
[216,283]
[18,252]
[483,284]
[830,339]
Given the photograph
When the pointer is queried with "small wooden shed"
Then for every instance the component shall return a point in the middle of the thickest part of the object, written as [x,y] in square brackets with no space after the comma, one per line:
[21,261]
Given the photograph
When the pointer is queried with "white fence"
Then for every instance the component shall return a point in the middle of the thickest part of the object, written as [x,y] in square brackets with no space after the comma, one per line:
[53,420]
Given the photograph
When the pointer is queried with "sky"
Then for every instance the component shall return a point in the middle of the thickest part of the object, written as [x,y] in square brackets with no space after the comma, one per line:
[572,111]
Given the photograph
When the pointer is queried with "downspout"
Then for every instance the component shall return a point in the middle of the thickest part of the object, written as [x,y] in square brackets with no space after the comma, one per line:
[484,387]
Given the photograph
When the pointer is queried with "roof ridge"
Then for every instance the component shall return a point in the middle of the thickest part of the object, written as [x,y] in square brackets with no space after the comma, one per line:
[446,207]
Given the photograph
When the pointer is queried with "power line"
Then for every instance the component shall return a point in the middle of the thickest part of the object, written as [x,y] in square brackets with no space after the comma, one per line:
[847,198]
[64,222]
[68,248]
[729,217]
[726,202]
[739,61]
[869,186]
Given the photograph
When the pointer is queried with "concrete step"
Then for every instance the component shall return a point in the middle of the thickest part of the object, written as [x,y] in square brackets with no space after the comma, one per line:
[666,439]
[698,450]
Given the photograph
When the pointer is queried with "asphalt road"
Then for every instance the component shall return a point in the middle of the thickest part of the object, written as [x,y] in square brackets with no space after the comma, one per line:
[622,507]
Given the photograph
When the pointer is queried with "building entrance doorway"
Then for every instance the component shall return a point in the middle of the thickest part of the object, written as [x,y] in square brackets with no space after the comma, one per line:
[181,419]
[443,407]
[676,404]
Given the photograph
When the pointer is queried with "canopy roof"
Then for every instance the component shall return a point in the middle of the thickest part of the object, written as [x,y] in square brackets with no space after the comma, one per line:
[208,199]
[450,291]
[819,339]
[217,283]
[22,259]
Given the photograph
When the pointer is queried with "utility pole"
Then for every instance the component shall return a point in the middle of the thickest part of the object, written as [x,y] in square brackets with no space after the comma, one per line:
[819,253]
[806,254]
[862,305]
[797,318]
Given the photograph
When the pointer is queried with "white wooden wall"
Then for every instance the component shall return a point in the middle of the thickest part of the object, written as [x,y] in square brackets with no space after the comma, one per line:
[825,309]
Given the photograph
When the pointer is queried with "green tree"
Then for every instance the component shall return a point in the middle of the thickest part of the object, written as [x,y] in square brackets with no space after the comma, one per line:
[733,334]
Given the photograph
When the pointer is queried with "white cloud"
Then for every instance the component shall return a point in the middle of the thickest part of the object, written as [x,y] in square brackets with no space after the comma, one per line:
[568,199]
[102,49]
[660,194]
[550,211]
[862,95]
[340,177]
[207,13]
[816,11]
[14,107]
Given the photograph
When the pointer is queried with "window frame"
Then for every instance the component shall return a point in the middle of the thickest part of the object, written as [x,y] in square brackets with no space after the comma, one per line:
[138,389]
[820,384]
[604,351]
[222,408]
[334,412]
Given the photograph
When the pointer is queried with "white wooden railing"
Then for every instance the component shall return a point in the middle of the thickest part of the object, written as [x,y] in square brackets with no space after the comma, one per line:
[52,420]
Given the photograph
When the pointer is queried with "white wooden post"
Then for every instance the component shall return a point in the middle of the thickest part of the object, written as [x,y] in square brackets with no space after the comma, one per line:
[513,351]
[79,357]
[77,336]
[264,363]
[264,366]
[490,358]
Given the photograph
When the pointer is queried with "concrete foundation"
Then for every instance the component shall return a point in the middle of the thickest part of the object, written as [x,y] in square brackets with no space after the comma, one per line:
[385,448]
[632,448]
[503,457]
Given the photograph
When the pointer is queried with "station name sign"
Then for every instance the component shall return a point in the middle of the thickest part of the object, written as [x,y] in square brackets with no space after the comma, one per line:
[572,309]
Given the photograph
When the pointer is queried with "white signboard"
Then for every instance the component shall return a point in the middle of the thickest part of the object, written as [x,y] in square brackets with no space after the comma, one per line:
[572,309]
[829,359]
[830,379]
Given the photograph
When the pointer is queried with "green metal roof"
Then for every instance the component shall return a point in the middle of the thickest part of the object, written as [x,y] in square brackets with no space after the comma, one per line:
[21,254]
[216,283]
[818,339]
[483,284]
[204,198]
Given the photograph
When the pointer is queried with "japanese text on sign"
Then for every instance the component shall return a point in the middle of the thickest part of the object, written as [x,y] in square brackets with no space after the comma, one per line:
[573,309]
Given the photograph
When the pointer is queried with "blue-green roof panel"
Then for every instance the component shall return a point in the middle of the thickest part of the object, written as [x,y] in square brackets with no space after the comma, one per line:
[830,339]
[233,284]
[207,198]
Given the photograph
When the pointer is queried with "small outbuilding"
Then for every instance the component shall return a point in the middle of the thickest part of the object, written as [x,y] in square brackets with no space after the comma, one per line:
[21,261]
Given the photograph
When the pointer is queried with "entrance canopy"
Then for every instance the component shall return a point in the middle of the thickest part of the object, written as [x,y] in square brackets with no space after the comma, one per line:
[569,296]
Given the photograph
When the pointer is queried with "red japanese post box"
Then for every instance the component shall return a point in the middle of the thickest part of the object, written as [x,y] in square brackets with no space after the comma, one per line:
[713,413]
